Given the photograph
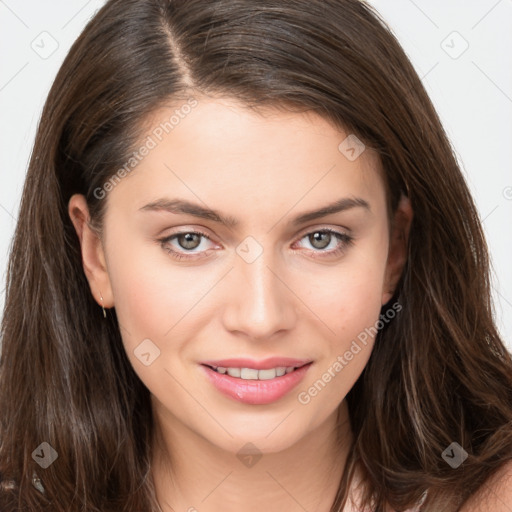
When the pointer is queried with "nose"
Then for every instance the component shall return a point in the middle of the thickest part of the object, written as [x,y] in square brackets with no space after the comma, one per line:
[259,303]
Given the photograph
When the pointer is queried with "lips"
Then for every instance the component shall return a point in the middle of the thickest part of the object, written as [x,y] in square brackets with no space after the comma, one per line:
[256,392]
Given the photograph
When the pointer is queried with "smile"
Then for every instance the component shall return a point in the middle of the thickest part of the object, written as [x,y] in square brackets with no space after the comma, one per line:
[254,374]
[255,387]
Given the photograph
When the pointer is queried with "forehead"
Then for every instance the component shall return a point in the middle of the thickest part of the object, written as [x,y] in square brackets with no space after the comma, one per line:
[221,152]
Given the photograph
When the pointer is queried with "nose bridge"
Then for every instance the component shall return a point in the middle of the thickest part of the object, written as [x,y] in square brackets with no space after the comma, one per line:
[261,303]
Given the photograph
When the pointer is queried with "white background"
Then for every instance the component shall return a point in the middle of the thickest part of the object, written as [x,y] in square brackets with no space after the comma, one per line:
[470,87]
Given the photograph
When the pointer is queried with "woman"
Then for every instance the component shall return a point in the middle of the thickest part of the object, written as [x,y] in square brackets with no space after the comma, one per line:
[292,278]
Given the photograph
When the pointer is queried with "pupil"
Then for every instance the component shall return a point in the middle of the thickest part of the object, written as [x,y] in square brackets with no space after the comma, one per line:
[188,240]
[317,236]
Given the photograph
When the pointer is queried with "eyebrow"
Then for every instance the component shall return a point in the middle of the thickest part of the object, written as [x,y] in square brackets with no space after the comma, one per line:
[181,206]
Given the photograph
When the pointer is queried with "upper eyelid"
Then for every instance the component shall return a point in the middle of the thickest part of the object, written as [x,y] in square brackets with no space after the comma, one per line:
[310,229]
[337,229]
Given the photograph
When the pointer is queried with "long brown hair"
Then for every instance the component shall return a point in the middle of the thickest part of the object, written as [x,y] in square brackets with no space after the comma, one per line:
[439,372]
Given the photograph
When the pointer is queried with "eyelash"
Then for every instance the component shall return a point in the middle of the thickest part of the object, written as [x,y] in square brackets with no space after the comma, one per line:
[346,241]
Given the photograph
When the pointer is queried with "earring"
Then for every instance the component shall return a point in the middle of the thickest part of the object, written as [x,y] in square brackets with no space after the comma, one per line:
[104,312]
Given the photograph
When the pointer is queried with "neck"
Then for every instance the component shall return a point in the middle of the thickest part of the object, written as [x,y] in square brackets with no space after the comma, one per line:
[192,474]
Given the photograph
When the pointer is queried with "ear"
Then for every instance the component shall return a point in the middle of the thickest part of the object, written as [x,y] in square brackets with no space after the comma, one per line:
[93,256]
[397,255]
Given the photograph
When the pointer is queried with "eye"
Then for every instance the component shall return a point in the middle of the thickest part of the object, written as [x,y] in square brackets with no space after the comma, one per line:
[186,241]
[321,239]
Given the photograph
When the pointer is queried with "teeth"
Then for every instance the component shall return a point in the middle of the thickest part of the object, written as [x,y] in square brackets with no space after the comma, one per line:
[249,373]
[234,372]
[253,374]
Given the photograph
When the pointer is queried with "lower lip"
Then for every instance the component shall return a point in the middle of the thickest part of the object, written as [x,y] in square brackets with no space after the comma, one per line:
[256,392]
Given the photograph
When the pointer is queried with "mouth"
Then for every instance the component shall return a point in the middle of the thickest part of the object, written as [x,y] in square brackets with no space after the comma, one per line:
[245,373]
[255,386]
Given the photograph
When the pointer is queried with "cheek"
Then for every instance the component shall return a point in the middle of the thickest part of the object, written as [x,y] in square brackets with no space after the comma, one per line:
[350,295]
[155,303]
[352,313]
[342,364]
[150,295]
[349,303]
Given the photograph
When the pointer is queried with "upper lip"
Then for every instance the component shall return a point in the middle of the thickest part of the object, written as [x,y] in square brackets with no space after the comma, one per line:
[265,364]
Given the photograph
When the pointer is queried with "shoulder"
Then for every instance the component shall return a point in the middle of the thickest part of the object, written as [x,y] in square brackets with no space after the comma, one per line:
[495,494]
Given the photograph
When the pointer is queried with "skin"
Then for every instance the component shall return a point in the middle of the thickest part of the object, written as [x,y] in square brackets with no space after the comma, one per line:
[495,494]
[264,169]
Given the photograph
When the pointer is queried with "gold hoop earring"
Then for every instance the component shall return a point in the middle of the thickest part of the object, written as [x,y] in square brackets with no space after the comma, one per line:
[104,312]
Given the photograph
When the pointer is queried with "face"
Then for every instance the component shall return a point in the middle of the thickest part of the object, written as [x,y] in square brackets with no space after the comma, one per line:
[259,278]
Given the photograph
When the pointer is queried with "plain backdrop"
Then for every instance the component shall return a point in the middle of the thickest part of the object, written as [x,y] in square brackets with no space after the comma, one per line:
[460,49]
